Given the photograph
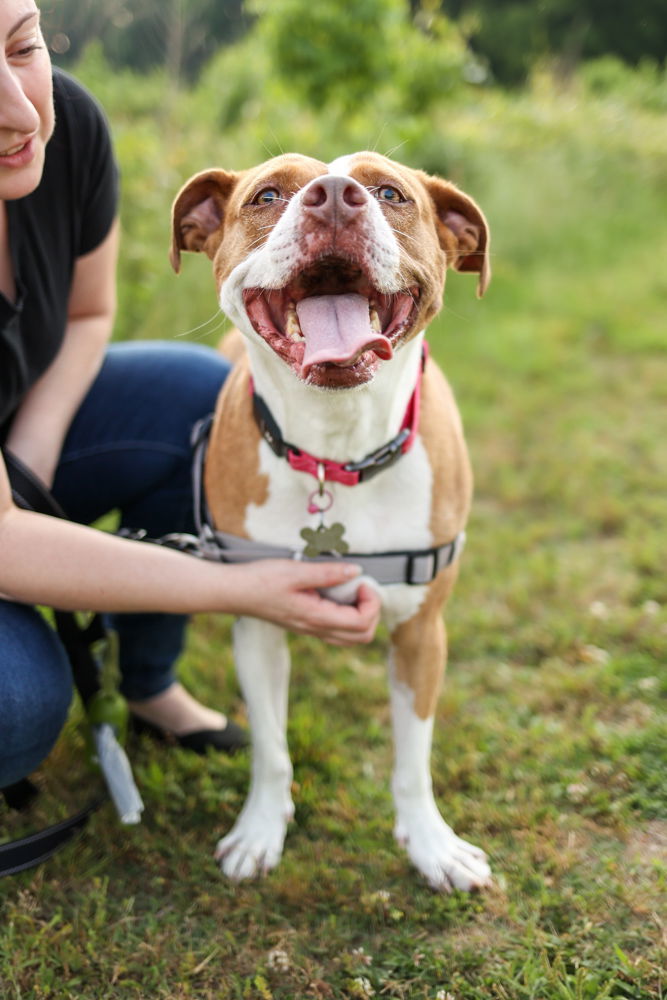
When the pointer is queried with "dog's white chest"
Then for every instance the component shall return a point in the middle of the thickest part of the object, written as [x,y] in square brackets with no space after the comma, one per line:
[389,513]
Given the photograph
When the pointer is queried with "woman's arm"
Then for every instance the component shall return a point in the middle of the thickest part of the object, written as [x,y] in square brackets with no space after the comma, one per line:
[49,561]
[42,421]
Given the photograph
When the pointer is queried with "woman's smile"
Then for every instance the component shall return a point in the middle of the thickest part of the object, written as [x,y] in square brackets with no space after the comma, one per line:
[18,155]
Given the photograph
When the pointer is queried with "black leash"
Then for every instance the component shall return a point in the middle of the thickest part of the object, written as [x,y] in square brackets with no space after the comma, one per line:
[17,855]
[26,852]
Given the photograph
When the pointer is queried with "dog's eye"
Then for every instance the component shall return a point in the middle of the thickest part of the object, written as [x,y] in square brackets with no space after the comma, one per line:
[388,193]
[267,197]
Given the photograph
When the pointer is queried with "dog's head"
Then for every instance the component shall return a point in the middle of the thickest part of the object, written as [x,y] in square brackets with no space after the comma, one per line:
[332,267]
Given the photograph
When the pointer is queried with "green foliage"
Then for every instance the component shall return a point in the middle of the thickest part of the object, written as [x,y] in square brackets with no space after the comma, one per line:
[328,57]
[335,60]
[514,36]
[645,86]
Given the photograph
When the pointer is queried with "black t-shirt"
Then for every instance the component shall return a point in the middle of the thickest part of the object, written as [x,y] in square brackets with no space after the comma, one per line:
[68,215]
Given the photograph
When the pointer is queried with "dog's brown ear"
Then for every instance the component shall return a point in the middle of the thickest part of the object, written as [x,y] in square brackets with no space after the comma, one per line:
[459,217]
[198,214]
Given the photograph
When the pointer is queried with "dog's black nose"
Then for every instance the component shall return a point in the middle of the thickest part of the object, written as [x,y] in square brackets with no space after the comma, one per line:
[334,199]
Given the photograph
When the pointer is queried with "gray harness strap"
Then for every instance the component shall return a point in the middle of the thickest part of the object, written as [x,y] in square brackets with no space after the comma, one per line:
[413,567]
[416,566]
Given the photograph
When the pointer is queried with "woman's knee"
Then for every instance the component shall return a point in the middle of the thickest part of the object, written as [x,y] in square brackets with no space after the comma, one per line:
[181,381]
[35,690]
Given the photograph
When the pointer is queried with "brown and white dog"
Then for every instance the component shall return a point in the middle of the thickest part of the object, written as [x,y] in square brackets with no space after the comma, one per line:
[332,273]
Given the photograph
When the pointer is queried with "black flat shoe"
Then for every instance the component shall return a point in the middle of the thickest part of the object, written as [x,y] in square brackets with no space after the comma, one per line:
[229,740]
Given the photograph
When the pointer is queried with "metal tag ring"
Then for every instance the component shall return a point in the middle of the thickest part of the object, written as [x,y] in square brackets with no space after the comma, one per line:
[325,498]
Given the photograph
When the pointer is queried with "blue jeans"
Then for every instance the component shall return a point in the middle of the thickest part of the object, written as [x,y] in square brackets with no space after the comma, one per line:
[128,448]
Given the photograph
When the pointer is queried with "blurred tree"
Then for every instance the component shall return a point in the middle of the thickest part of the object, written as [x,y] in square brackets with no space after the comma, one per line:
[512,35]
[323,48]
[332,55]
[179,35]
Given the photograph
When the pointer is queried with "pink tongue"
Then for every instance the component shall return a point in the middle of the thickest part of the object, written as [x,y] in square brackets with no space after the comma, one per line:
[337,330]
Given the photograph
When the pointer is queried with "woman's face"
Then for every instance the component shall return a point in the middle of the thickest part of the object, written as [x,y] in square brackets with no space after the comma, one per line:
[26,98]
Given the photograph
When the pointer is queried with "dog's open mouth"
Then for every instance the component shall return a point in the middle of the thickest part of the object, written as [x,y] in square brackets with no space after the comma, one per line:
[330,324]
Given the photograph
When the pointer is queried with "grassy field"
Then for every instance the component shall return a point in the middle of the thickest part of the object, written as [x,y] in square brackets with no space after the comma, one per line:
[551,744]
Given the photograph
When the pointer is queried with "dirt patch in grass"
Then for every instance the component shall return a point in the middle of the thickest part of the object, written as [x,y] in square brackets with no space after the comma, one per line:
[648,844]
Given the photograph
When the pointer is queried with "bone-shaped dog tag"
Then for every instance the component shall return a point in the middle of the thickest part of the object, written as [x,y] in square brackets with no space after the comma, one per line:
[324,541]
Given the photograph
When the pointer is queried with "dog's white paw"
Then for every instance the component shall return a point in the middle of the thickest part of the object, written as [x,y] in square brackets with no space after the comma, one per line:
[255,844]
[446,861]
[346,593]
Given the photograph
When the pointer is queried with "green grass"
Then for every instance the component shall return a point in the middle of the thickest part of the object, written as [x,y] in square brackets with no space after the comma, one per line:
[550,746]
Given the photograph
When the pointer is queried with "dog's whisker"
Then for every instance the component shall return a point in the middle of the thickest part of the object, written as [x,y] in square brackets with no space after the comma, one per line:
[399,145]
[206,331]
[406,236]
[262,239]
[224,322]
[267,149]
[202,326]
[257,242]
[379,136]
[278,143]
[457,315]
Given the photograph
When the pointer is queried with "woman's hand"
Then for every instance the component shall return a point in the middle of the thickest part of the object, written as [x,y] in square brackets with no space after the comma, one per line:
[287,593]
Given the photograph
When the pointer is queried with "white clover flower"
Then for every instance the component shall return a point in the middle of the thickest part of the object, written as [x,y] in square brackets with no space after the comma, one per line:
[362,987]
[380,899]
[598,609]
[577,791]
[595,655]
[278,960]
[651,608]
[361,956]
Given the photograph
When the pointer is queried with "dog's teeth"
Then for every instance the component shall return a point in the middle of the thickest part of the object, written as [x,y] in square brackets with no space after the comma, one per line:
[376,326]
[292,327]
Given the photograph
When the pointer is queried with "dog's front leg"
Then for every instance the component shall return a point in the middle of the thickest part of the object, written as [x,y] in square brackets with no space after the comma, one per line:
[417,664]
[255,843]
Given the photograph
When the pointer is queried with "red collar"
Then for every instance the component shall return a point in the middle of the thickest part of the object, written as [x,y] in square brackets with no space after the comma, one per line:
[348,473]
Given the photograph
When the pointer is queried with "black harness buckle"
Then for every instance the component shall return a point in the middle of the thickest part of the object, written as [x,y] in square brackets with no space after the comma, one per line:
[381,459]
[419,570]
